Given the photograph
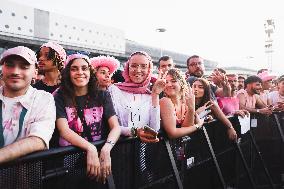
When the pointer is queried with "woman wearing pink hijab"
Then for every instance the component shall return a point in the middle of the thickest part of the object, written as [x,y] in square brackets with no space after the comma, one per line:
[135,105]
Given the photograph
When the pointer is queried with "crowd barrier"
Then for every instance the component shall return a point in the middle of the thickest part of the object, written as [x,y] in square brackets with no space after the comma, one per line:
[206,159]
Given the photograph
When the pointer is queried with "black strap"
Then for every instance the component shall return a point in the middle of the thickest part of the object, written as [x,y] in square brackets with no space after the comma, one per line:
[21,121]
[173,162]
[221,177]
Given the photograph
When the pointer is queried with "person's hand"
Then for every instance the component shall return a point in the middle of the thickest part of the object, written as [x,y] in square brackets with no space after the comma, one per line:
[93,162]
[198,121]
[220,78]
[242,113]
[146,136]
[204,107]
[266,111]
[160,83]
[105,161]
[232,134]
[190,98]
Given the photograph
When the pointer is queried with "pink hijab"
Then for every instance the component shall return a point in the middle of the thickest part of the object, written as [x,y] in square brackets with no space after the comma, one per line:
[128,85]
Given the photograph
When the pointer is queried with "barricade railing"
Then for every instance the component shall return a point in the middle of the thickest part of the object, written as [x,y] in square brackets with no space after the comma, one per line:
[205,159]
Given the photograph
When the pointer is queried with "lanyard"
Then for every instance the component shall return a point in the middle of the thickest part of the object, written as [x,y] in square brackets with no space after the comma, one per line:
[21,121]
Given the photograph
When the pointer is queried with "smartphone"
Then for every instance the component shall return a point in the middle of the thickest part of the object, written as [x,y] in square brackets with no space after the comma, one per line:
[204,113]
[150,130]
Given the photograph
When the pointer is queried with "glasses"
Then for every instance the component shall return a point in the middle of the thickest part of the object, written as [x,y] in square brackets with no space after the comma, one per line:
[136,66]
[194,64]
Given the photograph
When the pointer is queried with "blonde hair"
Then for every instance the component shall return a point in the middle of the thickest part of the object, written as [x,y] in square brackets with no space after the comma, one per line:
[179,76]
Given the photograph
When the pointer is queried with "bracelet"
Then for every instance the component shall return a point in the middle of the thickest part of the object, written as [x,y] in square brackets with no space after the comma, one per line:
[110,142]
[134,131]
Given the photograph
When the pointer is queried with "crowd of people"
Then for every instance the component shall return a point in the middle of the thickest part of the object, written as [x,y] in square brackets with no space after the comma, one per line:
[49,99]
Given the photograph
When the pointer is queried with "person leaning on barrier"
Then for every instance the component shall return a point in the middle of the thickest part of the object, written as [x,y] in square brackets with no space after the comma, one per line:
[27,114]
[135,105]
[230,105]
[204,102]
[178,107]
[81,111]
[249,97]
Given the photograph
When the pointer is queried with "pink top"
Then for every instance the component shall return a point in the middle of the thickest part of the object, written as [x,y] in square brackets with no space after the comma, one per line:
[250,100]
[228,105]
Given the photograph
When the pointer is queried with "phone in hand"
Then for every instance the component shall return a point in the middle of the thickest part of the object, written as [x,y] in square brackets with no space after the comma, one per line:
[204,113]
[150,130]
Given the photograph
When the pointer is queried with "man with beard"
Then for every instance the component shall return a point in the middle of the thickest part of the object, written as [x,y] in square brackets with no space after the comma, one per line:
[195,66]
[249,97]
[27,114]
[233,81]
[241,82]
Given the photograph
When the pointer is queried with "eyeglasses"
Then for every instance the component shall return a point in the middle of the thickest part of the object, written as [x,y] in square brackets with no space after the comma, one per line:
[136,66]
[194,64]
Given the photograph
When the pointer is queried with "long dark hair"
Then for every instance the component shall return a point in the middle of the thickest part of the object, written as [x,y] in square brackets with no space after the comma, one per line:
[206,97]
[67,86]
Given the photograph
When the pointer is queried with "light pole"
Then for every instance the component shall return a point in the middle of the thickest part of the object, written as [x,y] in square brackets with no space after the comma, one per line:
[161,30]
[269,28]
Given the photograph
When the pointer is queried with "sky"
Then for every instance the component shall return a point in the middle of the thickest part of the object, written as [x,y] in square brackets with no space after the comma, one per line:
[226,31]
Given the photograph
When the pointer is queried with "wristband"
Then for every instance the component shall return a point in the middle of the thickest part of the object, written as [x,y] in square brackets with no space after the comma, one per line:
[134,131]
[110,142]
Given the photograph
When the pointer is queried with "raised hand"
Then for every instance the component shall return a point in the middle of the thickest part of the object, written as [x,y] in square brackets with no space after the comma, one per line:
[160,83]
[204,107]
[190,98]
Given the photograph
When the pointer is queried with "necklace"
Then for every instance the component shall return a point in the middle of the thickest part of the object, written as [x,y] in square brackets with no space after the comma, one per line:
[181,117]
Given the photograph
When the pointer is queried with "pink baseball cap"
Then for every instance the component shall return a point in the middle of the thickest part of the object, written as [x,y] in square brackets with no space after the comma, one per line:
[58,48]
[76,56]
[265,76]
[24,52]
[105,61]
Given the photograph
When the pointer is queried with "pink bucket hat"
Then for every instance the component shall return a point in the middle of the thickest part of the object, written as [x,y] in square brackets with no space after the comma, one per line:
[24,52]
[264,76]
[105,61]
[58,48]
[76,56]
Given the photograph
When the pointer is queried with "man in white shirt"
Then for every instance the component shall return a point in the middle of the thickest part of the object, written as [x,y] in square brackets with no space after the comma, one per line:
[27,115]
[276,98]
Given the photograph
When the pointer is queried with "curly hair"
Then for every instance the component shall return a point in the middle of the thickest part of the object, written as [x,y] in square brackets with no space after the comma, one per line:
[54,57]
[178,76]
[206,97]
[67,86]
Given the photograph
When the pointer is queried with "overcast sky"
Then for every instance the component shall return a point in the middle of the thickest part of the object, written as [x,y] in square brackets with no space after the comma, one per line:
[228,32]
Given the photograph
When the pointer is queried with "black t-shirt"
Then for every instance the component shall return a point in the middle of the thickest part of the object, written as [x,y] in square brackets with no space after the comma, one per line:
[89,118]
[40,85]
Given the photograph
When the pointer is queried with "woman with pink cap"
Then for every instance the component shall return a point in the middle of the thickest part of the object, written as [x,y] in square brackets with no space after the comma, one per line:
[136,106]
[104,67]
[51,57]
[85,114]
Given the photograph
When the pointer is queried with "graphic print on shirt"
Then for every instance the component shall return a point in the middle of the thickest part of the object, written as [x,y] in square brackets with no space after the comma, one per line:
[8,123]
[92,119]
